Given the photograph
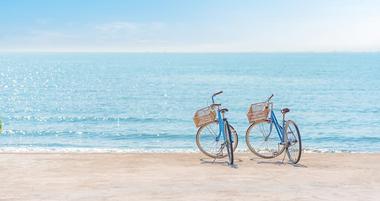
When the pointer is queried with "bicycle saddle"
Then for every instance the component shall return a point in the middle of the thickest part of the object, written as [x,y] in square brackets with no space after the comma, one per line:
[223,110]
[285,110]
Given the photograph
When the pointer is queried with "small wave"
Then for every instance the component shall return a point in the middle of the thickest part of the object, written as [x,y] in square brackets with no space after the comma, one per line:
[336,151]
[32,149]
[89,150]
[73,119]
[11,132]
[105,135]
[336,138]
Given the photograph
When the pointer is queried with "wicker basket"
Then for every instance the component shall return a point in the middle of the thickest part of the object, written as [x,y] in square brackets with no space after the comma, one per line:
[204,116]
[258,112]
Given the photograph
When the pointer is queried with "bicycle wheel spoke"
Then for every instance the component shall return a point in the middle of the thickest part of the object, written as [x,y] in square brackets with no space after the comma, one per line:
[263,144]
[208,142]
[212,143]
[262,130]
[211,131]
[262,141]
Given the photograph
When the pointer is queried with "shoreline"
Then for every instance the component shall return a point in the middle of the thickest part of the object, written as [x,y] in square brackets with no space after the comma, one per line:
[187,176]
[139,151]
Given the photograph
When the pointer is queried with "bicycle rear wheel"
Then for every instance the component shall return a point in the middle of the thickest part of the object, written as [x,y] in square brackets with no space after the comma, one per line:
[208,143]
[293,141]
[263,140]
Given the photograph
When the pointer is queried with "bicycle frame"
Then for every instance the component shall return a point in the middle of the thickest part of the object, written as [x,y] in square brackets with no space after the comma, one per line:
[221,121]
[279,128]
[221,127]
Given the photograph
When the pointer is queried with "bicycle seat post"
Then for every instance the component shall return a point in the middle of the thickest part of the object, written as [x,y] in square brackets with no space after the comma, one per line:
[223,110]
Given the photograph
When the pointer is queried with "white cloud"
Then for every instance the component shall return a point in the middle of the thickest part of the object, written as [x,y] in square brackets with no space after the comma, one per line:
[318,35]
[128,27]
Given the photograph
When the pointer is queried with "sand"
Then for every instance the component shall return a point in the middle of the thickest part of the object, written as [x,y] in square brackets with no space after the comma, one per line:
[186,176]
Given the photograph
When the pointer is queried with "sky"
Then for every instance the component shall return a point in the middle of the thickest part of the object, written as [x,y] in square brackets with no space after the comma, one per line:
[190,26]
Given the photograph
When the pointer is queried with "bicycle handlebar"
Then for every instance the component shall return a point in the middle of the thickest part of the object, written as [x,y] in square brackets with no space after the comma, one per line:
[270,98]
[215,94]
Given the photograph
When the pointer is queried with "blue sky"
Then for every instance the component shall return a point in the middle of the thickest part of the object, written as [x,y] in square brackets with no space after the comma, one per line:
[190,26]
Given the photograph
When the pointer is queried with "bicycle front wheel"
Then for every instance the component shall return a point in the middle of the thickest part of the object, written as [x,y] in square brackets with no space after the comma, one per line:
[229,145]
[263,140]
[293,141]
[210,144]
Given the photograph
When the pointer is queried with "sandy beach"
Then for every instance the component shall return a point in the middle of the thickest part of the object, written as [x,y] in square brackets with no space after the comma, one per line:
[190,176]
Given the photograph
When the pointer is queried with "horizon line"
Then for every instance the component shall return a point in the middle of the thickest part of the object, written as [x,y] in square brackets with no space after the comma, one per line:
[189,52]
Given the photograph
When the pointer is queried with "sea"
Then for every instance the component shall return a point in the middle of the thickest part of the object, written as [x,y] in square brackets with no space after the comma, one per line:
[145,102]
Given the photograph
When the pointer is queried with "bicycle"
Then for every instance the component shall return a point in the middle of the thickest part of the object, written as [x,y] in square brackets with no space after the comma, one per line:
[212,126]
[262,140]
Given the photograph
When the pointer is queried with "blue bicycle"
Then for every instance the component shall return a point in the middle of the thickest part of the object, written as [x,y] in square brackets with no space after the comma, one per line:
[215,138]
[267,138]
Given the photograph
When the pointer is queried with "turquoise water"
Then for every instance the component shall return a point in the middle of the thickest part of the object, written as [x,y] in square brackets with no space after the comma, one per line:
[145,102]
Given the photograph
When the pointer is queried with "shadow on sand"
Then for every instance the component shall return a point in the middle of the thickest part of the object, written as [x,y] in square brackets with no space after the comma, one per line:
[222,163]
[258,161]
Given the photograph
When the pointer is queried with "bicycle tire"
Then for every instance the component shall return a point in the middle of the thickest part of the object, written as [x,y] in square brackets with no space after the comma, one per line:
[230,150]
[294,148]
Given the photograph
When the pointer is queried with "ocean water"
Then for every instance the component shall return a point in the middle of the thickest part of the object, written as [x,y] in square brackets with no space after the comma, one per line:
[144,102]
